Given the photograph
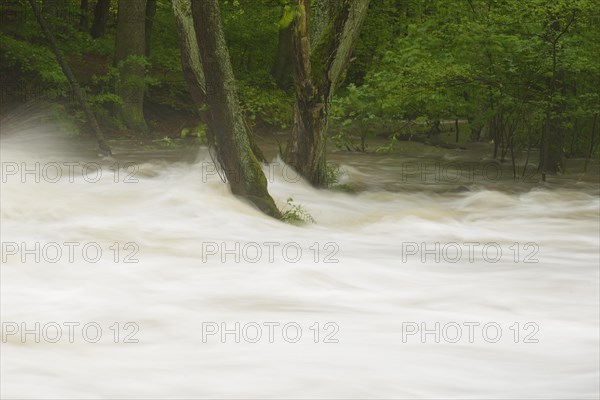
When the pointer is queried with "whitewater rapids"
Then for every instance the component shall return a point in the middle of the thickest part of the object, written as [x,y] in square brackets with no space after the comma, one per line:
[377,292]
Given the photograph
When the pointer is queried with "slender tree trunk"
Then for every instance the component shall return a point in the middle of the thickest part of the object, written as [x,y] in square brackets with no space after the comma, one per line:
[150,12]
[317,73]
[130,50]
[235,155]
[104,147]
[101,16]
[592,145]
[512,157]
[551,157]
[190,53]
[551,151]
[574,137]
[529,142]
[435,128]
[457,130]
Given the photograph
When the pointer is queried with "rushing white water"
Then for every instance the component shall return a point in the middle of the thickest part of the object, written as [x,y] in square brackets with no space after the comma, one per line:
[372,295]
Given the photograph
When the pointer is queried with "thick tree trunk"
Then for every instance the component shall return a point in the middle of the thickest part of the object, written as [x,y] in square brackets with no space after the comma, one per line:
[320,16]
[84,16]
[150,12]
[101,16]
[235,155]
[130,50]
[104,147]
[316,76]
[282,68]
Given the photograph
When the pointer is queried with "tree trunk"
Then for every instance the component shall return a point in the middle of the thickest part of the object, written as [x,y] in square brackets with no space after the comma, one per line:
[190,53]
[457,129]
[436,129]
[130,51]
[104,147]
[316,76]
[282,68]
[592,145]
[101,16]
[320,15]
[150,12]
[84,16]
[551,151]
[235,155]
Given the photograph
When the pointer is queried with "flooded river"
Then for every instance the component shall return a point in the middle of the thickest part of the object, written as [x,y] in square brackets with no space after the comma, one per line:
[142,277]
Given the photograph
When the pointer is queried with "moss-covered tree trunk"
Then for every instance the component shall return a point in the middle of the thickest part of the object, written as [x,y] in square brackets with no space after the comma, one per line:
[235,155]
[317,72]
[101,16]
[190,53]
[129,54]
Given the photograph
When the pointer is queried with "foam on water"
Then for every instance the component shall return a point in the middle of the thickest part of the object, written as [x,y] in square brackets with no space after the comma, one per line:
[370,293]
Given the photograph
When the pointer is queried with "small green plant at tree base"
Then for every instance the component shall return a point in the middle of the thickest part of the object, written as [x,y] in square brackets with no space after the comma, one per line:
[332,174]
[199,133]
[296,214]
[345,188]
[166,142]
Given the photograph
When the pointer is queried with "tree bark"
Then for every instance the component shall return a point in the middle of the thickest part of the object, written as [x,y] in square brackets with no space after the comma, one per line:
[101,16]
[235,155]
[104,147]
[190,53]
[84,16]
[320,15]
[282,67]
[457,130]
[316,76]
[592,145]
[150,12]
[130,51]
[551,151]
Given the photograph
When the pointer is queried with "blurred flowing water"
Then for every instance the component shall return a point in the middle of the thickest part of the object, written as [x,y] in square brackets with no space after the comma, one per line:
[372,297]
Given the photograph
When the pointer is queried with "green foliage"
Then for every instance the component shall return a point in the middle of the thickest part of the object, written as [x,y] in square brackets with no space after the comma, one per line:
[252,32]
[506,68]
[31,59]
[332,174]
[296,214]
[199,133]
[290,13]
[265,104]
[352,119]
